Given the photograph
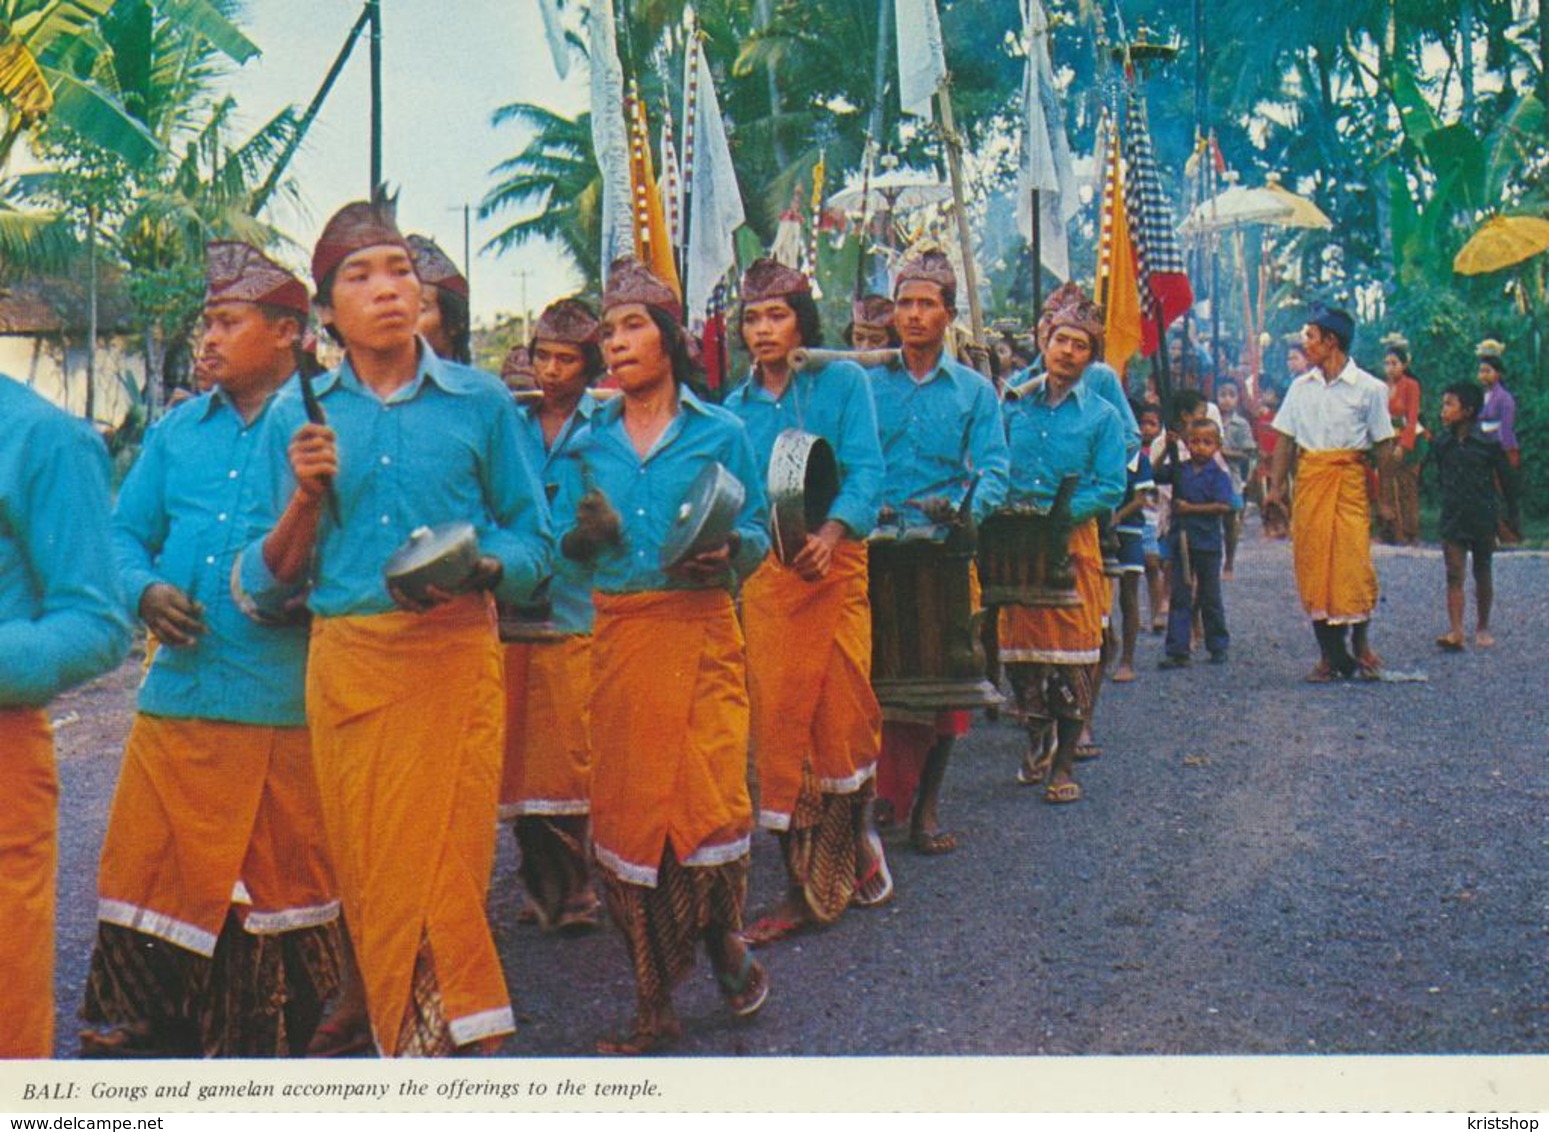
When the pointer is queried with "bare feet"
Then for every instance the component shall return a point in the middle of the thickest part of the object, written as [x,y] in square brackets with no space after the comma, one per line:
[1483,640]
[652,1032]
[1124,674]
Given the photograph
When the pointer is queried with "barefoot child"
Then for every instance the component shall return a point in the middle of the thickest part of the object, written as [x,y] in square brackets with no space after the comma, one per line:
[1476,478]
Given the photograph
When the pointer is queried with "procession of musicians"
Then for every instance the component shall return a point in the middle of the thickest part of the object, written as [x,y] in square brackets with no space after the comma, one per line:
[395,604]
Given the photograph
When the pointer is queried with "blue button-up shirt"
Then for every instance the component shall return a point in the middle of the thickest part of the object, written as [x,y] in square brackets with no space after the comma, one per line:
[648,492]
[570,592]
[1081,436]
[62,618]
[190,503]
[1102,379]
[1197,483]
[937,434]
[833,402]
[443,448]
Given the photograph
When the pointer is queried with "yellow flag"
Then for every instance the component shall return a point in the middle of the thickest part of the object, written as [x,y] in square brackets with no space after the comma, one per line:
[1118,284]
[653,245]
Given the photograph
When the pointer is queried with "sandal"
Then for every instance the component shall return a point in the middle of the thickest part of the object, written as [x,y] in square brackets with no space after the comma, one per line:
[1088,751]
[1449,644]
[1062,793]
[863,896]
[746,992]
[335,1038]
[1322,674]
[770,929]
[641,1041]
[580,916]
[935,844]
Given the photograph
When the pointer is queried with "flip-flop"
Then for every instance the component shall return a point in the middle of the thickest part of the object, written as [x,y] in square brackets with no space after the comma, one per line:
[747,991]
[1322,674]
[1447,644]
[1086,751]
[1062,793]
[578,918]
[878,869]
[770,929]
[639,1042]
[935,844]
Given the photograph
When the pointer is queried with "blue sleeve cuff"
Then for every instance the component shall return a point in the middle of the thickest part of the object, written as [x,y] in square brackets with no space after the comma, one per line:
[257,592]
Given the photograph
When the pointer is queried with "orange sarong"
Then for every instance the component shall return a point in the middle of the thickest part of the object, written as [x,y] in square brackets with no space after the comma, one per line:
[1331,537]
[809,678]
[548,728]
[207,815]
[408,725]
[29,857]
[669,732]
[1031,634]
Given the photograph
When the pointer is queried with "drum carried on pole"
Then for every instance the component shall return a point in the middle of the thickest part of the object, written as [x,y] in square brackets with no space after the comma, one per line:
[1024,554]
[925,650]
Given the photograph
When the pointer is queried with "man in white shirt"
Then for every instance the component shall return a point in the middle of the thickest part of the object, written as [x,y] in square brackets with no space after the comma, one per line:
[1335,419]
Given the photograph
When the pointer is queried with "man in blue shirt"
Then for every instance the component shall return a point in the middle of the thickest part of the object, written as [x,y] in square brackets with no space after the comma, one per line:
[62,622]
[404,695]
[939,423]
[214,871]
[1058,427]
[545,787]
[816,722]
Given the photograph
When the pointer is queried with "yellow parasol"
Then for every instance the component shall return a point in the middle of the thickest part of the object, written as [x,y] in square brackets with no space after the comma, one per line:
[1304,214]
[1501,242]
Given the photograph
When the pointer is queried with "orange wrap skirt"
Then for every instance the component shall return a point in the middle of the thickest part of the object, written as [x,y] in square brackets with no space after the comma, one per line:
[1331,537]
[408,722]
[548,762]
[809,678]
[669,732]
[210,815]
[29,858]
[1073,634]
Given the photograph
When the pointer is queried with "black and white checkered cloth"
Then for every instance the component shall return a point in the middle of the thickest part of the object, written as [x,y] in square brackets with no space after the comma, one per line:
[1150,212]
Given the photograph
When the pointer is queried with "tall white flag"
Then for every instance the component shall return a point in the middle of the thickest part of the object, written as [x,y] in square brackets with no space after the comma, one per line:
[554,32]
[714,201]
[610,138]
[1046,162]
[922,60]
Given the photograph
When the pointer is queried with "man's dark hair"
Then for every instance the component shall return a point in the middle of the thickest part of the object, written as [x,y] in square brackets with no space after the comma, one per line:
[456,325]
[1143,407]
[1185,402]
[1470,396]
[893,340]
[808,322]
[591,358]
[273,314]
[675,344]
[1232,381]
[948,294]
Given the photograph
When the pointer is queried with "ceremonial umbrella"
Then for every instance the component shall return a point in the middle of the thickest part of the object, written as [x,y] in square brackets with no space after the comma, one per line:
[1500,242]
[897,190]
[1304,214]
[1236,207]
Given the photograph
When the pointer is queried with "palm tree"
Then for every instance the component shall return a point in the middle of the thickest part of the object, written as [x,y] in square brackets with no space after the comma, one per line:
[555,181]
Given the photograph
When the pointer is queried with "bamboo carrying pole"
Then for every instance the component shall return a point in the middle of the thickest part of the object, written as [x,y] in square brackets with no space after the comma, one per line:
[954,145]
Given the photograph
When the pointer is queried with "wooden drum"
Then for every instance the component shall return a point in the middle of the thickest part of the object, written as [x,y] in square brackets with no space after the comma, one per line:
[925,651]
[1024,554]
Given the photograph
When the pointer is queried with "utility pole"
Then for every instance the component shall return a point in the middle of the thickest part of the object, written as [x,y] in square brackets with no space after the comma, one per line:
[374,11]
